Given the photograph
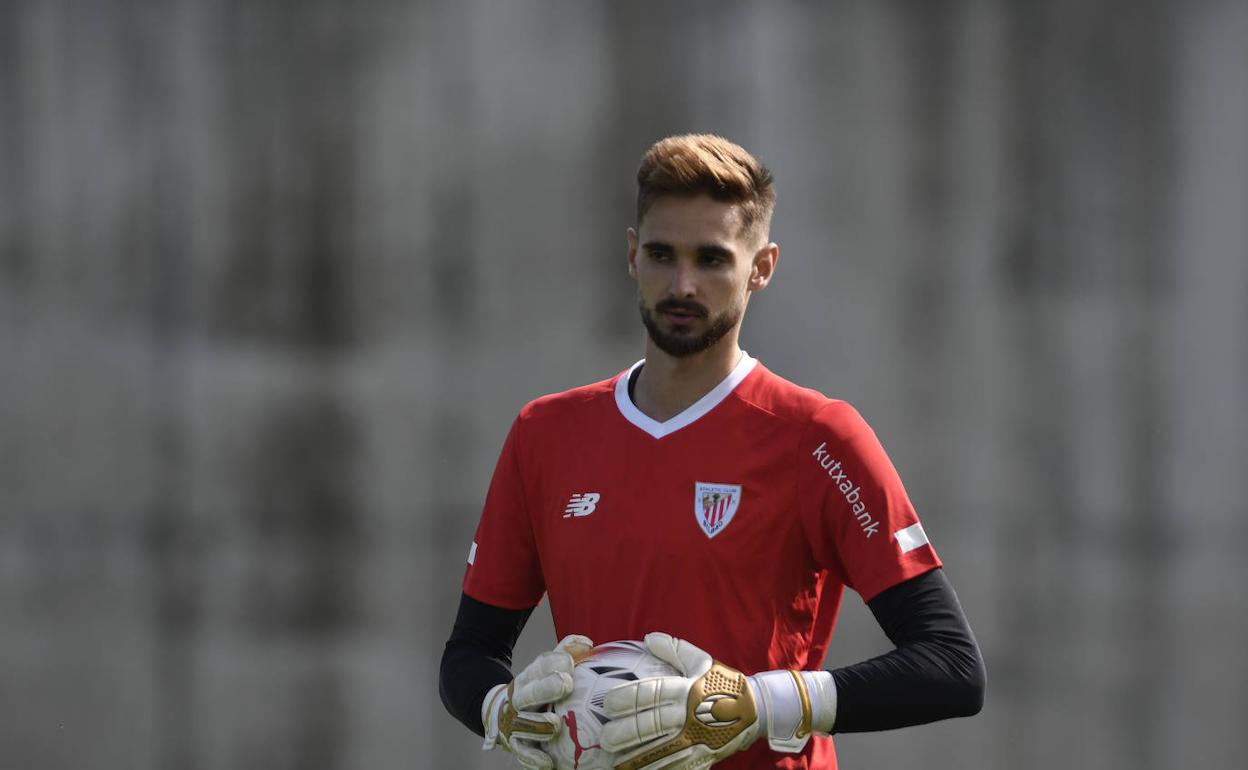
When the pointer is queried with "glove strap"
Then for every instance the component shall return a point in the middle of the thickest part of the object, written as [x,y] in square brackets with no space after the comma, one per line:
[795,705]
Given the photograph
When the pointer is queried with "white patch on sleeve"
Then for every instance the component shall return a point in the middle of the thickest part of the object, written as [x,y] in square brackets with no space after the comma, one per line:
[911,537]
[472,552]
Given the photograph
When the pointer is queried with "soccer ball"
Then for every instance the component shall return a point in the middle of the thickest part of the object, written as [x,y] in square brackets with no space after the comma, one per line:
[583,713]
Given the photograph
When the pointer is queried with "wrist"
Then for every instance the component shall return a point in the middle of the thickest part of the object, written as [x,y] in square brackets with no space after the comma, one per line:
[792,705]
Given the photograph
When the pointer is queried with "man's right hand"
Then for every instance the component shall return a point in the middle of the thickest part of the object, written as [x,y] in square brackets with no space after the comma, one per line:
[509,710]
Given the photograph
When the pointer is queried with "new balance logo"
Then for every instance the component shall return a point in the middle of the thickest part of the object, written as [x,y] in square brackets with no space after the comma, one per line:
[582,504]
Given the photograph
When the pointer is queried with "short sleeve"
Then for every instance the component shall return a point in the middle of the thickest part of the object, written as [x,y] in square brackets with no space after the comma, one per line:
[503,565]
[855,511]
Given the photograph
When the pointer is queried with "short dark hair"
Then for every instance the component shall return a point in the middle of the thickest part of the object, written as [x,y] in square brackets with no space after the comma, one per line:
[694,164]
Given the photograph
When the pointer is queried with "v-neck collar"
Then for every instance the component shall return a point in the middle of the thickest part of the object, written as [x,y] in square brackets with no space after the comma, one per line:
[692,412]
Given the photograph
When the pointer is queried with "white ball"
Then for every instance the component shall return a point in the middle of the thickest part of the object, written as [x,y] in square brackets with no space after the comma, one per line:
[582,713]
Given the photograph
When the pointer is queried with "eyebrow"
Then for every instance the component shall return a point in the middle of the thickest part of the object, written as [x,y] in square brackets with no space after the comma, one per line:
[704,250]
[713,250]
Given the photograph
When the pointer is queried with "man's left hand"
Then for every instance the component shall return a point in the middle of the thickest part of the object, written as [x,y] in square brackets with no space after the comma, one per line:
[685,722]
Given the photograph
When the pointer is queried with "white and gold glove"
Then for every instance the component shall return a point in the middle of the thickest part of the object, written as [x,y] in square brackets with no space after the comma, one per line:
[691,721]
[509,711]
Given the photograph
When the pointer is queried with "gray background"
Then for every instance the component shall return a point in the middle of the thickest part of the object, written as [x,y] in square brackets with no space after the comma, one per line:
[276,276]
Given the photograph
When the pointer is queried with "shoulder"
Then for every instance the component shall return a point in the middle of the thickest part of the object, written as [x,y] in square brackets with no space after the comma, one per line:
[573,403]
[840,419]
[786,400]
[806,407]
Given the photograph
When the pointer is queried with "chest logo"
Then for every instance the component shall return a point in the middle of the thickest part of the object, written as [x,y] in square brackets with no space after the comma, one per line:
[581,504]
[714,505]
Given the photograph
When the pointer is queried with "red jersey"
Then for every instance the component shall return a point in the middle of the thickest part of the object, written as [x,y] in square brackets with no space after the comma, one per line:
[735,525]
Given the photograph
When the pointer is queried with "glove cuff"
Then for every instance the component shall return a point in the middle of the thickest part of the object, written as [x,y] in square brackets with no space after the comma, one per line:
[794,704]
[490,708]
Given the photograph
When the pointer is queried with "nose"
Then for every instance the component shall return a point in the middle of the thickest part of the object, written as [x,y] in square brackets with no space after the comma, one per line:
[683,283]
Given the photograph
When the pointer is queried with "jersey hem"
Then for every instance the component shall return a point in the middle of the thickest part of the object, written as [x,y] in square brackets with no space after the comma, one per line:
[506,604]
[878,584]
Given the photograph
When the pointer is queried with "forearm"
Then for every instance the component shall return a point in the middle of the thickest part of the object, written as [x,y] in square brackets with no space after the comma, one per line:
[467,674]
[936,671]
[477,657]
[911,685]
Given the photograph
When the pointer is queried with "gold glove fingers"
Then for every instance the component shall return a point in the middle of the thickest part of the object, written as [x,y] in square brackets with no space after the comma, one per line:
[527,725]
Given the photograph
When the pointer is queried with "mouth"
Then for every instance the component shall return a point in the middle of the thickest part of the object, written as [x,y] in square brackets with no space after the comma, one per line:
[680,312]
[680,316]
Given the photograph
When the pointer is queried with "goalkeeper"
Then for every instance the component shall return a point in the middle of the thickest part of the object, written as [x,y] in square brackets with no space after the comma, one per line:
[703,503]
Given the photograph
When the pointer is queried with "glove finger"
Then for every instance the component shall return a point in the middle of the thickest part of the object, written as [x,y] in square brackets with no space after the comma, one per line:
[632,697]
[686,657]
[534,726]
[631,731]
[531,757]
[685,759]
[546,663]
[575,645]
[550,688]
[691,762]
[554,662]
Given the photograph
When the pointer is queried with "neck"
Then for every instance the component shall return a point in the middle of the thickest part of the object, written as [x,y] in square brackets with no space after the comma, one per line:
[668,385]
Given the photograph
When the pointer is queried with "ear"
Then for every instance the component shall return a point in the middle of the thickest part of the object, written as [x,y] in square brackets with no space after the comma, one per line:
[632,252]
[764,266]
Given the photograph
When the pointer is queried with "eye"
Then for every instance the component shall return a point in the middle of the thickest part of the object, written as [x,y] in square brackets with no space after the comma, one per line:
[660,255]
[712,260]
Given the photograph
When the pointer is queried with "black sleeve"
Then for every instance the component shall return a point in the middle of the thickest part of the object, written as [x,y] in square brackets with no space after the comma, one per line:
[477,657]
[935,673]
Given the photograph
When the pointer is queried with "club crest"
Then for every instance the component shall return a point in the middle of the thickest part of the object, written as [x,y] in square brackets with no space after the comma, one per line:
[714,505]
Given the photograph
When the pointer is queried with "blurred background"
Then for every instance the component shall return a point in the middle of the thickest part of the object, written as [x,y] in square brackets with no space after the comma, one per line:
[276,276]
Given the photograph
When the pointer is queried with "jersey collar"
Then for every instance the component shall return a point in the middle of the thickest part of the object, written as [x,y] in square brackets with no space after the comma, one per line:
[691,413]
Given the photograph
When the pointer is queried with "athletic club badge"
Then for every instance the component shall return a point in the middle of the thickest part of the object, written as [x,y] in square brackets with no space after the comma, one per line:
[714,505]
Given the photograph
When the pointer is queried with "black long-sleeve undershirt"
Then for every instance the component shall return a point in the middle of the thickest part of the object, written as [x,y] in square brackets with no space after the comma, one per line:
[936,671]
[477,657]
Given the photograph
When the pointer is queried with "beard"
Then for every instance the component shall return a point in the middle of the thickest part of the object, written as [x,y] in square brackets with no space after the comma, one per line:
[680,342]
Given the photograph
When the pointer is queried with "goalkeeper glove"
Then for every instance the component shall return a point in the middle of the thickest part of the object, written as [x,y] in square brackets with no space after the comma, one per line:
[711,711]
[510,712]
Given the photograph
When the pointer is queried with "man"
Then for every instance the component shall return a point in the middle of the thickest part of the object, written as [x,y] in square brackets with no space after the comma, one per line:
[715,509]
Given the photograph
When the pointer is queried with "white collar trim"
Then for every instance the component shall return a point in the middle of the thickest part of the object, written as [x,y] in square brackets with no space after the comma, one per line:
[692,412]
